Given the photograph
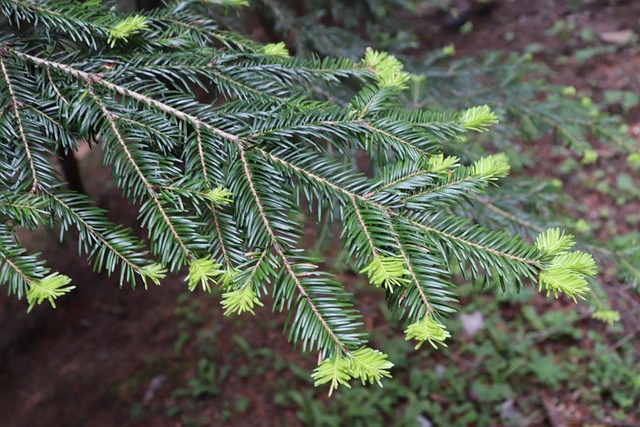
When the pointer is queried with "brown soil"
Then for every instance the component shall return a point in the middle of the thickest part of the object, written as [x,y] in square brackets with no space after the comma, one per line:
[106,356]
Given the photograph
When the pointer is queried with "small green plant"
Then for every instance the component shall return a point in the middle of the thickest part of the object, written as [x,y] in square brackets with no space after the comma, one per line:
[206,382]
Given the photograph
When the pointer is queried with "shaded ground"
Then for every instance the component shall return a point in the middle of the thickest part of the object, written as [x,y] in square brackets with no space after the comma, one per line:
[110,357]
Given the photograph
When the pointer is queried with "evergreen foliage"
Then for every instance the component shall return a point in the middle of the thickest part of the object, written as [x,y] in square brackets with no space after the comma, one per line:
[516,88]
[222,144]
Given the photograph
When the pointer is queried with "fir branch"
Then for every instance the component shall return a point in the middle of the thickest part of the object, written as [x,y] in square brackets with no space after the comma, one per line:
[392,214]
[254,273]
[424,176]
[340,345]
[23,210]
[15,105]
[428,309]
[363,225]
[161,135]
[408,148]
[212,207]
[55,87]
[256,197]
[73,209]
[18,269]
[471,243]
[97,79]
[549,118]
[325,182]
[220,238]
[456,185]
[632,270]
[108,116]
[22,273]
[201,155]
[80,24]
[216,181]
[247,90]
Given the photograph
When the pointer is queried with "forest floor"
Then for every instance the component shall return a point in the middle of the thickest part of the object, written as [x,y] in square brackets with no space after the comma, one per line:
[164,357]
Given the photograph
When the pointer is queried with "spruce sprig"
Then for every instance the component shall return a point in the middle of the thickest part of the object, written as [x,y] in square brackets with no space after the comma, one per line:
[221,186]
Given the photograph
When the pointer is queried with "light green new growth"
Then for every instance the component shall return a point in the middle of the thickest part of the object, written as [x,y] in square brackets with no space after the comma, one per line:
[154,272]
[491,168]
[576,261]
[559,279]
[566,272]
[427,329]
[589,157]
[388,68]
[442,165]
[478,118]
[226,277]
[127,27]
[608,316]
[553,241]
[449,50]
[240,301]
[388,272]
[203,271]
[334,370]
[220,196]
[365,363]
[634,159]
[369,365]
[48,288]
[276,49]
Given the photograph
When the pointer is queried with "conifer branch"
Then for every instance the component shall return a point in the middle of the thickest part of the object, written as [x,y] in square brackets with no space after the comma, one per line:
[212,208]
[55,87]
[18,205]
[216,226]
[151,129]
[364,226]
[319,124]
[15,106]
[222,186]
[435,189]
[391,213]
[391,184]
[98,79]
[414,279]
[28,280]
[99,236]
[149,187]
[256,197]
[287,264]
[316,312]
[248,88]
[410,146]
[310,175]
[633,270]
[484,248]
[203,164]
[254,271]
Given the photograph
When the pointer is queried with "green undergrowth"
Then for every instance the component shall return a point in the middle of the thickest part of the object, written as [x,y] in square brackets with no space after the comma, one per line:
[500,375]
